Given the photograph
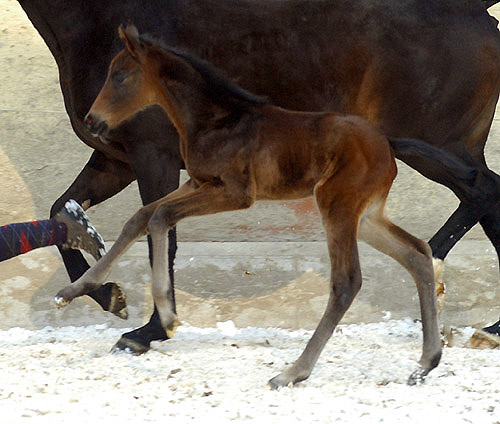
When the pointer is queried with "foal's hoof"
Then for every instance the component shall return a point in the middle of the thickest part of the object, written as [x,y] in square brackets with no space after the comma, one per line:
[172,328]
[61,302]
[286,379]
[276,384]
[129,346]
[418,376]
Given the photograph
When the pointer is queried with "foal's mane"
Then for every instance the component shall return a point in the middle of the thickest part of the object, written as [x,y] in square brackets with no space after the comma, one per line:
[214,77]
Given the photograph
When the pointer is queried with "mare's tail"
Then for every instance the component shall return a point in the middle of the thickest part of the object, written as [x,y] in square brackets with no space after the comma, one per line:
[437,165]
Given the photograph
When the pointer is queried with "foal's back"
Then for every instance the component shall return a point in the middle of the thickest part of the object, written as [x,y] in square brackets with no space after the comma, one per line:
[296,150]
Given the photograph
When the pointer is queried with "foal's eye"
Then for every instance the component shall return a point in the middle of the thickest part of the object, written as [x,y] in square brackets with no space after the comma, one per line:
[119,77]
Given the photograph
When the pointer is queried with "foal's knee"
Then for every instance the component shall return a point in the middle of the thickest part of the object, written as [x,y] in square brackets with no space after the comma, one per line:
[136,226]
[161,220]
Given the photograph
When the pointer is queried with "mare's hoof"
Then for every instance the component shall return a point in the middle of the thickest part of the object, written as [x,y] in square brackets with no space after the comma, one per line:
[111,298]
[483,340]
[129,346]
[117,301]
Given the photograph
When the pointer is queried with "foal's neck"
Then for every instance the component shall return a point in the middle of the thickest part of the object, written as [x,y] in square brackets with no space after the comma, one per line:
[198,97]
[194,110]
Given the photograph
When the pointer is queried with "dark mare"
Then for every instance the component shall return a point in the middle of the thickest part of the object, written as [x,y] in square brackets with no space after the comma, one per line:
[239,148]
[427,69]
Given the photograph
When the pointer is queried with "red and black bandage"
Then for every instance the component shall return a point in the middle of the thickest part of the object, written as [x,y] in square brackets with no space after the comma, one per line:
[16,239]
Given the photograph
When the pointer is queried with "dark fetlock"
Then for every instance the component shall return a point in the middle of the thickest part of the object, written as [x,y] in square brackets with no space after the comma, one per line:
[130,346]
[493,329]
[111,298]
[138,341]
[81,234]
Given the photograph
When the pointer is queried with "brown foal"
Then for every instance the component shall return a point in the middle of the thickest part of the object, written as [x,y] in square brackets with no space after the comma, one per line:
[237,149]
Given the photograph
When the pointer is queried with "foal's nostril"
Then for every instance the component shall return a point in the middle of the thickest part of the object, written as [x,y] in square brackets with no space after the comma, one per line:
[95,125]
[89,121]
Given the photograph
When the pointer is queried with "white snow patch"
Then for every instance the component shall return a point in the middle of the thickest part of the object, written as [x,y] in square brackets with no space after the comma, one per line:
[203,375]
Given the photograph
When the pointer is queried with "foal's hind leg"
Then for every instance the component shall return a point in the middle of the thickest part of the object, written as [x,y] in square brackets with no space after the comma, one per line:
[340,223]
[415,256]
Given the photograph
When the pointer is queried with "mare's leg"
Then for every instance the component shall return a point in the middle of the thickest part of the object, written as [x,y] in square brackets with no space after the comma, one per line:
[478,199]
[484,208]
[100,179]
[477,188]
[457,225]
[415,256]
[491,226]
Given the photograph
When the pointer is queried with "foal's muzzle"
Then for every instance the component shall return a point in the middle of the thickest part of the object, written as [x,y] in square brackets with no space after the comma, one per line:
[95,125]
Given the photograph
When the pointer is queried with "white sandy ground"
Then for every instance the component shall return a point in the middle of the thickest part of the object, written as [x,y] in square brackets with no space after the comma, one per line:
[67,374]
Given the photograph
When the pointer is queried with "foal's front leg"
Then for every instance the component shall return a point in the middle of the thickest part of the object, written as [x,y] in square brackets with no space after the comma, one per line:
[163,291]
[133,229]
[207,199]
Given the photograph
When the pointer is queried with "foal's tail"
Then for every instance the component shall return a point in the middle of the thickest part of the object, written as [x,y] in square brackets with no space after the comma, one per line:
[437,165]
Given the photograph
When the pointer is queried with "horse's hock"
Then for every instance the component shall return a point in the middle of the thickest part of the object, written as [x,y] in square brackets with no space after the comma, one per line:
[264,267]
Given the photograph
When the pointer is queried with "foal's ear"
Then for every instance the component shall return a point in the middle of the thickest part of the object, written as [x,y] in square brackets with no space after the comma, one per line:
[130,37]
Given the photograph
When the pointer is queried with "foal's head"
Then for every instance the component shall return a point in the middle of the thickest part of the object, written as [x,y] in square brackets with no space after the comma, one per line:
[146,73]
[132,84]
[125,90]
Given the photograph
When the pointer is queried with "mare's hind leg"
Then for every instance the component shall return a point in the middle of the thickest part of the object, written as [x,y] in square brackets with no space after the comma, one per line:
[476,186]
[100,179]
[491,226]
[415,255]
